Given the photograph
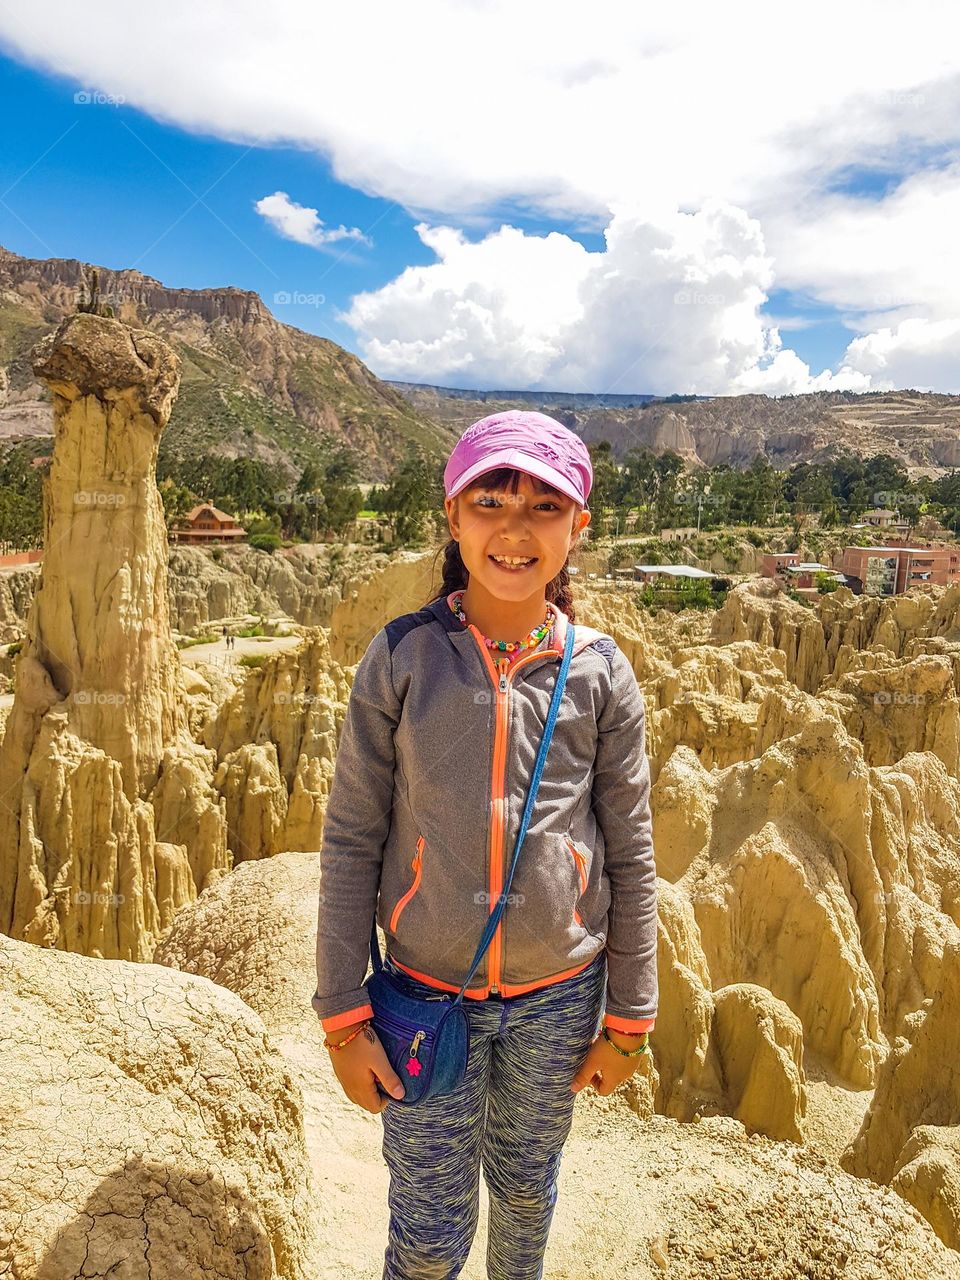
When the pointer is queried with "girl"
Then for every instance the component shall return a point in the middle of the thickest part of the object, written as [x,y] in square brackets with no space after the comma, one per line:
[436,752]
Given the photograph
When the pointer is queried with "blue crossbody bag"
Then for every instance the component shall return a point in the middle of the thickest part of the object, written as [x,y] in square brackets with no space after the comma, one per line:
[427,1039]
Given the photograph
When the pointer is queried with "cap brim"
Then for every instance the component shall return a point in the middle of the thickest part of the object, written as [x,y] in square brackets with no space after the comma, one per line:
[523,462]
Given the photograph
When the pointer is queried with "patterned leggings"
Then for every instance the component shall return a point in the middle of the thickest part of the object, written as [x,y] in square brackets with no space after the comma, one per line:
[513,1110]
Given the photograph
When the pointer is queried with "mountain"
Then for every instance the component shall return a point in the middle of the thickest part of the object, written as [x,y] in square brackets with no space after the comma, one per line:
[250,385]
[254,387]
[921,430]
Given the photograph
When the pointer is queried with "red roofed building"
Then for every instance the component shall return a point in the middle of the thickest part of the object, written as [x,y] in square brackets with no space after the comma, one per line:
[207,523]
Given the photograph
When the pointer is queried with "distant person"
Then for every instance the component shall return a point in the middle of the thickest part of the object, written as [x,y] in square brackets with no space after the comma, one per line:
[443,724]
[226,637]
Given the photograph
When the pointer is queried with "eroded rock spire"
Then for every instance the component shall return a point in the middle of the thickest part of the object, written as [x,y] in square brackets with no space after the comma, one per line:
[97,742]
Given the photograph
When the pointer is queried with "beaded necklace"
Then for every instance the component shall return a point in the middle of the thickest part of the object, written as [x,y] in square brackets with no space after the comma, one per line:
[510,647]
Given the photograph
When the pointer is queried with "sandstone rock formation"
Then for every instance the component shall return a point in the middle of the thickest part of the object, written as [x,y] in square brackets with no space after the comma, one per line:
[807,828]
[275,739]
[149,1128]
[340,587]
[910,1133]
[109,822]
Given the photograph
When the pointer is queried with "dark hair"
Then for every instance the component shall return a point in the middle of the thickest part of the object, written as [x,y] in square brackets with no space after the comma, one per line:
[455,573]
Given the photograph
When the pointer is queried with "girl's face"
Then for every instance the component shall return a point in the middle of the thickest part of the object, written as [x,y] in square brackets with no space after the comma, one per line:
[528,520]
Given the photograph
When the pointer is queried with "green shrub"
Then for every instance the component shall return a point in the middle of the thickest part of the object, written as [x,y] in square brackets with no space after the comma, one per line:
[185,642]
[268,542]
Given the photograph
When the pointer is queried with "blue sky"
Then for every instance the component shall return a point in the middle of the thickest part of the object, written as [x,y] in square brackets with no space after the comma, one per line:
[109,185]
[485,246]
[134,184]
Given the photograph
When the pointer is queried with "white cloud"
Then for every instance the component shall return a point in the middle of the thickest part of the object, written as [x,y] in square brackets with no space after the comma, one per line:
[918,353]
[301,223]
[882,261]
[451,107]
[669,305]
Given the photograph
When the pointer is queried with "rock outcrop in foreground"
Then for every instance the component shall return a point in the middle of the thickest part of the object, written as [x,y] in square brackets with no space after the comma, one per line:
[148,1128]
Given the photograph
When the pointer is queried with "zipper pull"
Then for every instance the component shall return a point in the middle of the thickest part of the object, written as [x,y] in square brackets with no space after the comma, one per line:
[503,676]
[413,1064]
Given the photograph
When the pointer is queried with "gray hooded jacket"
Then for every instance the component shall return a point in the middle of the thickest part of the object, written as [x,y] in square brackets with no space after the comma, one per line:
[436,752]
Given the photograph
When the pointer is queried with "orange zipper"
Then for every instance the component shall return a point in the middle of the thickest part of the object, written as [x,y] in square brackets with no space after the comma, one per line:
[417,866]
[501,679]
[581,862]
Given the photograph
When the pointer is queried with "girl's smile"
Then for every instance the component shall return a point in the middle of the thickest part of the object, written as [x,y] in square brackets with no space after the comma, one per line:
[513,564]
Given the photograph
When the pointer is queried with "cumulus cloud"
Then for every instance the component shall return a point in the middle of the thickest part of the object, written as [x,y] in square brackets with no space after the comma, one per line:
[919,353]
[671,304]
[474,103]
[301,223]
[617,123]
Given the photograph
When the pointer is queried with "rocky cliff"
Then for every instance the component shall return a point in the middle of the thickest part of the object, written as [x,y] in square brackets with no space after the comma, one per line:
[920,430]
[250,385]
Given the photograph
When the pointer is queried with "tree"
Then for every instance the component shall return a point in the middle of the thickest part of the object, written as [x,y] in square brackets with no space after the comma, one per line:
[605,491]
[412,495]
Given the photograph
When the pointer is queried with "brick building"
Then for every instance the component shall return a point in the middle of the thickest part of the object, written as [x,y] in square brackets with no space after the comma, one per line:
[889,570]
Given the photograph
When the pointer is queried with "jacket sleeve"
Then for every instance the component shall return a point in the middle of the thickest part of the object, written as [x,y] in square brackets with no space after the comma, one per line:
[355,829]
[621,803]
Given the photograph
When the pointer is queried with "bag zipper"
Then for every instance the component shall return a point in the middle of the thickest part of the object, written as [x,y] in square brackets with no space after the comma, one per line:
[422,1032]
[501,675]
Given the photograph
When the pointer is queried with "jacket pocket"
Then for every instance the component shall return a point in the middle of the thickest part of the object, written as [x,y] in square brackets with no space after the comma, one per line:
[580,862]
[417,868]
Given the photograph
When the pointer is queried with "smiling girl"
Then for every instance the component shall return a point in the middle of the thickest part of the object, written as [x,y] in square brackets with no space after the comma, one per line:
[436,753]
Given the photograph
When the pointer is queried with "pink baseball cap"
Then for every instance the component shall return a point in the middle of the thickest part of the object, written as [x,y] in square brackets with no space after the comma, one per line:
[527,440]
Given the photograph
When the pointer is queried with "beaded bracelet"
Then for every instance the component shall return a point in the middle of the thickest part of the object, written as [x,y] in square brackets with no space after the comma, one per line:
[629,1053]
[353,1033]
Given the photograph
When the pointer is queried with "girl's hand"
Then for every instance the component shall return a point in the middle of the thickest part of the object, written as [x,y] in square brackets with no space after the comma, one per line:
[604,1068]
[360,1065]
